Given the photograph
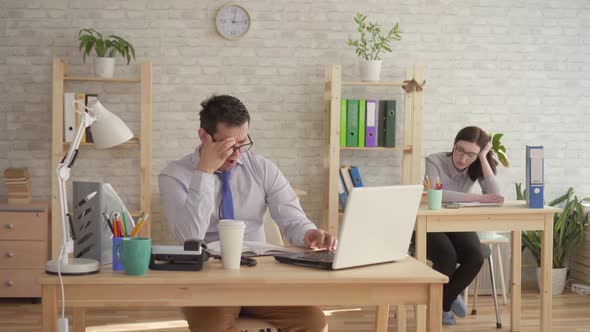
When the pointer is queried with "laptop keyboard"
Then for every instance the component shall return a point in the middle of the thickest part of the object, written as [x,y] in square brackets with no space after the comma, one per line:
[325,256]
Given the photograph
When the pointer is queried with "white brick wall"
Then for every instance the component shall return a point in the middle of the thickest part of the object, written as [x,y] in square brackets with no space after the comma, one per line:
[517,67]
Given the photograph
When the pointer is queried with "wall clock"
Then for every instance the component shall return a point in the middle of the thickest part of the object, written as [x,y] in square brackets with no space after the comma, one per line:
[233,21]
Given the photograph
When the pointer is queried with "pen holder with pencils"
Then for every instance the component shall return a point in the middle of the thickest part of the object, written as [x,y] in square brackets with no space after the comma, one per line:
[434,197]
[117,265]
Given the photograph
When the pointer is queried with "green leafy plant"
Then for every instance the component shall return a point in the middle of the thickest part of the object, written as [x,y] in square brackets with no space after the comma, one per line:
[499,149]
[107,47]
[568,228]
[372,41]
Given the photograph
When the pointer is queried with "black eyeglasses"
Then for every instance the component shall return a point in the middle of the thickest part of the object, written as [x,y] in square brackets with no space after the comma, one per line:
[242,148]
[461,152]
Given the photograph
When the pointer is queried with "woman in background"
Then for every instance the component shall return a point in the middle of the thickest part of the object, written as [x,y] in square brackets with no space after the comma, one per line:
[469,161]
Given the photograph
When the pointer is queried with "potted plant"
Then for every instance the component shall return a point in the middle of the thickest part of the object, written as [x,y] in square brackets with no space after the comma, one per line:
[568,233]
[371,45]
[105,48]
[499,149]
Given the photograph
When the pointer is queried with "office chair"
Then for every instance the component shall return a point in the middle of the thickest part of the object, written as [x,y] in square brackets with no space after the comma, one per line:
[487,253]
[494,240]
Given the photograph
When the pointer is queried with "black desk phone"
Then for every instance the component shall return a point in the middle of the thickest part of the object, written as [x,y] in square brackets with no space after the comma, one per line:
[189,257]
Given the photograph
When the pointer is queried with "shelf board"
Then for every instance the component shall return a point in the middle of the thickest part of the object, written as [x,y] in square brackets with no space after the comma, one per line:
[373,83]
[395,148]
[102,79]
[134,142]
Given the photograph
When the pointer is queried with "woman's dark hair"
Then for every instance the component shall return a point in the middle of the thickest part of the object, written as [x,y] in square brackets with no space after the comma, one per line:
[481,138]
[224,108]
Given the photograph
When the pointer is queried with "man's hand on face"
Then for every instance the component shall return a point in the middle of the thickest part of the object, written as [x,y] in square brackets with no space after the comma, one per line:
[319,239]
[214,154]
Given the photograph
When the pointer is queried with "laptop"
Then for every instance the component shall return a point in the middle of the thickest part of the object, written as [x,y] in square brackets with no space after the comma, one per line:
[377,228]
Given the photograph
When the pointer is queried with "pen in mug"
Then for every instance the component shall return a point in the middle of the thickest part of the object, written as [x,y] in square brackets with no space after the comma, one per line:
[108,220]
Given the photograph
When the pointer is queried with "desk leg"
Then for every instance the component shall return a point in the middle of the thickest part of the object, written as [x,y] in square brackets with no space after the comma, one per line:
[420,245]
[546,273]
[435,308]
[516,280]
[382,318]
[79,320]
[401,318]
[49,308]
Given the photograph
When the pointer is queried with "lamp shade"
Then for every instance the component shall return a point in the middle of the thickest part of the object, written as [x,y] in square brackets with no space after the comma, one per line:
[107,129]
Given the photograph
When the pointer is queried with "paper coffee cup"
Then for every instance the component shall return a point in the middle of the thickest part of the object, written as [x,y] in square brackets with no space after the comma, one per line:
[231,236]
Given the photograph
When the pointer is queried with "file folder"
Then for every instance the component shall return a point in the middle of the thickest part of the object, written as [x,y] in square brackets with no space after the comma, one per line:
[380,128]
[355,174]
[69,117]
[371,124]
[362,123]
[390,123]
[352,122]
[342,122]
[345,173]
[342,194]
[534,177]
[81,98]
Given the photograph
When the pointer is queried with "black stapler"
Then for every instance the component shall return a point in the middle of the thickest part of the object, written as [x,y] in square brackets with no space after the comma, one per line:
[189,257]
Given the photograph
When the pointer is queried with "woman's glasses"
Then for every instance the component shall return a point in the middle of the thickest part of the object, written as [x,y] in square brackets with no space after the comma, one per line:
[461,152]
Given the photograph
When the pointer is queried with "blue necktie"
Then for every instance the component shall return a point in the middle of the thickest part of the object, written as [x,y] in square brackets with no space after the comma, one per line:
[227,204]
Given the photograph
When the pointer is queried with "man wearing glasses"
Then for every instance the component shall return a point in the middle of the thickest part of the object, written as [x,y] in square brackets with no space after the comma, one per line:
[224,179]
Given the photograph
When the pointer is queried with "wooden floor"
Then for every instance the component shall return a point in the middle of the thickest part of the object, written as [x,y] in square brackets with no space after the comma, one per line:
[571,313]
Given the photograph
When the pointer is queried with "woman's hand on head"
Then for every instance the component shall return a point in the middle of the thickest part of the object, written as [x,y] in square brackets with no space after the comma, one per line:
[484,152]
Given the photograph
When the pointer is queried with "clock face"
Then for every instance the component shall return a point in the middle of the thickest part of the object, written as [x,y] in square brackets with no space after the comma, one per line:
[233,21]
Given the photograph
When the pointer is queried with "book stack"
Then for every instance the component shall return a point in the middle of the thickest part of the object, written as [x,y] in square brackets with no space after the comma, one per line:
[18,185]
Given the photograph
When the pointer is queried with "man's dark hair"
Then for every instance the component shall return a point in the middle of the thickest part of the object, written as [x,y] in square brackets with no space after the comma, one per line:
[224,108]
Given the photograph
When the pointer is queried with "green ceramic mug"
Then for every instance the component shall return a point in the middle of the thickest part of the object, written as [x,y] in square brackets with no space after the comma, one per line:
[434,199]
[134,253]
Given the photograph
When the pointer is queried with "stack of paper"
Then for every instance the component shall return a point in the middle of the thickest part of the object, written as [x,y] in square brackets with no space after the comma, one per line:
[474,204]
[18,185]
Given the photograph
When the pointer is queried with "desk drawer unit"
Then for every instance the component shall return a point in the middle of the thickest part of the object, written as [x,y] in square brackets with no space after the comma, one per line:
[20,283]
[24,248]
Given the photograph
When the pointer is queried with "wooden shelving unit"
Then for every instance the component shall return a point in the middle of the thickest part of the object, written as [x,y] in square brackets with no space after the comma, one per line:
[412,134]
[143,141]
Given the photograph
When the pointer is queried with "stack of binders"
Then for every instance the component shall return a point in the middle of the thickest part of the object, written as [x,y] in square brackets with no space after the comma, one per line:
[18,185]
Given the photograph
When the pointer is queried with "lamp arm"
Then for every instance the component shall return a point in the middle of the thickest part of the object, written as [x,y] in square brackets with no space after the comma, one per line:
[63,175]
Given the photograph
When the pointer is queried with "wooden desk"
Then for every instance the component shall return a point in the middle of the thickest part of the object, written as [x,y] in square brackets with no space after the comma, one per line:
[269,283]
[513,217]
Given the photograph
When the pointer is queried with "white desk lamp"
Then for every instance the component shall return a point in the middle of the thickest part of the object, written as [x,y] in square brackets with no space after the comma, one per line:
[107,130]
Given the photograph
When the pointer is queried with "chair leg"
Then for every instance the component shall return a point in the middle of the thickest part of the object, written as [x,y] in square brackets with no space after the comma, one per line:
[466,296]
[501,266]
[475,291]
[498,320]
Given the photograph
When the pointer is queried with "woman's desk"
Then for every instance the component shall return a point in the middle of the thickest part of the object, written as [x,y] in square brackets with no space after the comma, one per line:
[269,283]
[512,217]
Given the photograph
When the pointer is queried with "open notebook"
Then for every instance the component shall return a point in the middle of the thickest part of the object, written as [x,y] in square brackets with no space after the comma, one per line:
[251,248]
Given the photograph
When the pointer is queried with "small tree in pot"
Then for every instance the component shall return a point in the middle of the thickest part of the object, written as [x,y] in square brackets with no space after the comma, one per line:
[371,45]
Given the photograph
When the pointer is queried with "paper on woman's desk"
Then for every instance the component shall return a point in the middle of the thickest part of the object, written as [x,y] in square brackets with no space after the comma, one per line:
[474,204]
[251,248]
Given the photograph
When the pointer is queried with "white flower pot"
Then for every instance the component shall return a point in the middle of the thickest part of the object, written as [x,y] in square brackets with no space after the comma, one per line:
[104,67]
[558,280]
[370,70]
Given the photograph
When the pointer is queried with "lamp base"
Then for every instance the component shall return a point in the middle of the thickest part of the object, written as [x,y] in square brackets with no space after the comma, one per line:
[75,267]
